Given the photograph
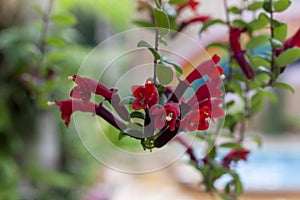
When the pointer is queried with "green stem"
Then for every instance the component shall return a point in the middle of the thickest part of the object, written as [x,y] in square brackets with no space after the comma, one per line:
[45,29]
[272,46]
[155,60]
[229,52]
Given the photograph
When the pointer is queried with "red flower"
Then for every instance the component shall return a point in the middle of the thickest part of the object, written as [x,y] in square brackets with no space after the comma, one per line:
[86,86]
[191,3]
[196,120]
[239,54]
[235,155]
[166,115]
[293,40]
[67,107]
[201,19]
[145,95]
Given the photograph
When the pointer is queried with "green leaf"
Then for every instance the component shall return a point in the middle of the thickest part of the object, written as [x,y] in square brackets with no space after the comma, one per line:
[234,10]
[137,114]
[270,96]
[126,100]
[218,44]
[209,23]
[267,6]
[164,74]
[258,61]
[281,5]
[64,19]
[56,41]
[177,66]
[257,140]
[280,32]
[232,145]
[241,24]
[55,56]
[39,10]
[238,189]
[179,2]
[284,86]
[275,43]
[255,5]
[288,57]
[257,41]
[261,22]
[257,102]
[161,21]
[143,43]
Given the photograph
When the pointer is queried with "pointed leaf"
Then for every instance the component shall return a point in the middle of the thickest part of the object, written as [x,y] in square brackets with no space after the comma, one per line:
[209,23]
[164,74]
[143,43]
[281,5]
[284,86]
[161,21]
[288,57]
[176,65]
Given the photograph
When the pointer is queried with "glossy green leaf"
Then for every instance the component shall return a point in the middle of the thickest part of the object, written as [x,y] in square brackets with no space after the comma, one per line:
[288,57]
[161,21]
[55,56]
[234,10]
[209,23]
[64,19]
[143,43]
[284,86]
[281,5]
[261,22]
[177,1]
[241,24]
[164,74]
[238,189]
[126,100]
[218,44]
[255,5]
[137,114]
[257,140]
[258,61]
[176,65]
[275,43]
[56,41]
[257,102]
[232,145]
[280,32]
[257,41]
[271,96]
[267,5]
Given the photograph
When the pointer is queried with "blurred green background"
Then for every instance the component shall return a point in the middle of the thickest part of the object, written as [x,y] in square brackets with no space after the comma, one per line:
[41,43]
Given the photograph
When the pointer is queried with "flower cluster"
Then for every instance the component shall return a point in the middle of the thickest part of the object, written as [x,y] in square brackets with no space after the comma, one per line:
[163,120]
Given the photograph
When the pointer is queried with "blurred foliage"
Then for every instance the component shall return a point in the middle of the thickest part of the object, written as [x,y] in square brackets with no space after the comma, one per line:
[34,48]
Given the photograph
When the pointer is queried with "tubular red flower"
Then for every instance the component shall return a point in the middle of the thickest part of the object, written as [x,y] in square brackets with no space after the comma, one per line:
[234,39]
[145,95]
[293,41]
[239,54]
[191,3]
[196,119]
[166,115]
[67,107]
[86,86]
[244,64]
[235,155]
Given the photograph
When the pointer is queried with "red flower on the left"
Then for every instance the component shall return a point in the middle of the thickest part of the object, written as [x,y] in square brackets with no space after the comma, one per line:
[86,86]
[67,107]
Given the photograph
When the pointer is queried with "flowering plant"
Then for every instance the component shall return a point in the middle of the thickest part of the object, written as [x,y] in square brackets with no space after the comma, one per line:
[165,112]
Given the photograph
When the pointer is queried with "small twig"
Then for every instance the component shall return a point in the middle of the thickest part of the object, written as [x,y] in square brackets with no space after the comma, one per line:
[155,60]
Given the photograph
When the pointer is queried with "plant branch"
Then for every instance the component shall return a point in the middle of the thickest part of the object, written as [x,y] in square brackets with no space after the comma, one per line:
[155,60]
